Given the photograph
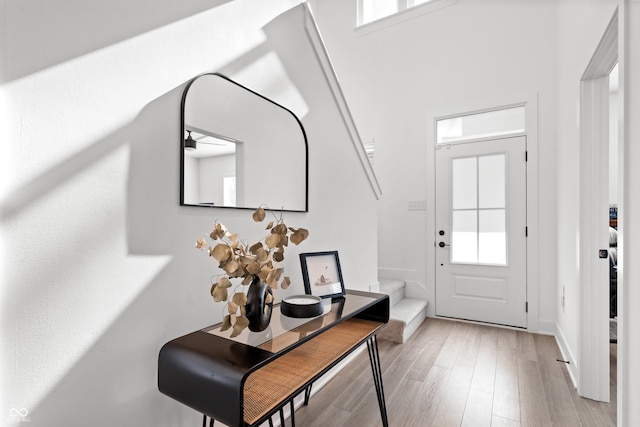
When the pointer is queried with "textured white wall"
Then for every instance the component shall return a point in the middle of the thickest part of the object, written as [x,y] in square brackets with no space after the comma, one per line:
[466,53]
[100,268]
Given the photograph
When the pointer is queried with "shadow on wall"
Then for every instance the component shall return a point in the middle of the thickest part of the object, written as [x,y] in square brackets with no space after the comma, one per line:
[114,381]
[40,186]
[50,35]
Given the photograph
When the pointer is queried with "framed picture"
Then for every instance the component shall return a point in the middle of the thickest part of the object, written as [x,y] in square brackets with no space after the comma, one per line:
[322,275]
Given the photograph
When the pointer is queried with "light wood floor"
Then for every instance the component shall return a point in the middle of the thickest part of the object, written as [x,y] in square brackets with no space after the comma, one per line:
[459,374]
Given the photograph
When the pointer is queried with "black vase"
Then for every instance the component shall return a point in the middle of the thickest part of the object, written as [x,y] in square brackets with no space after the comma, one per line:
[258,311]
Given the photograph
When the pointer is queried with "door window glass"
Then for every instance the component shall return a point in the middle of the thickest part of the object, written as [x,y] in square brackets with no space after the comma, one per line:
[464,183]
[464,237]
[491,181]
[492,247]
[478,216]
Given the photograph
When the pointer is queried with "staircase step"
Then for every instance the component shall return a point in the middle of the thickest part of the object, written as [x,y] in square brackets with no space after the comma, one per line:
[393,288]
[405,317]
[407,309]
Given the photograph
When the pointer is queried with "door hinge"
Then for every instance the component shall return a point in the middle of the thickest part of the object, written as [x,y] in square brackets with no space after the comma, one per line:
[526,307]
[526,156]
[526,231]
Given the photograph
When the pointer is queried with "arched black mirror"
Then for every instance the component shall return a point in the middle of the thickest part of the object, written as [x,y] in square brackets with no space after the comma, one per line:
[240,149]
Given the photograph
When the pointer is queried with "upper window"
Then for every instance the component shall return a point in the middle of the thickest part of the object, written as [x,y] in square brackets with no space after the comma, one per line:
[372,10]
[497,123]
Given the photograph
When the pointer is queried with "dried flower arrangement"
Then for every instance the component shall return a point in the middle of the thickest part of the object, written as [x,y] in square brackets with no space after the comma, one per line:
[239,260]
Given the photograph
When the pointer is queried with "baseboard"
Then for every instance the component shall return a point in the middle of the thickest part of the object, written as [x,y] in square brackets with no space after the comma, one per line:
[572,367]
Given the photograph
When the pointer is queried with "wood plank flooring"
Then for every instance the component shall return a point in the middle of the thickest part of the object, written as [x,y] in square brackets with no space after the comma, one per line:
[459,374]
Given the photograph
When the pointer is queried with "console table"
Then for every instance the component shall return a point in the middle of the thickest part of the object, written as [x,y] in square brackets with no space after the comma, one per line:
[243,381]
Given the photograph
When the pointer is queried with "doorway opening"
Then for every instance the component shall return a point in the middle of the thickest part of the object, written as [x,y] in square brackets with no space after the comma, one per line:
[613,233]
[598,260]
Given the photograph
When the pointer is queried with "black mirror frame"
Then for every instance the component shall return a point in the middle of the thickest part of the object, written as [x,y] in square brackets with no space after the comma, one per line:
[182,130]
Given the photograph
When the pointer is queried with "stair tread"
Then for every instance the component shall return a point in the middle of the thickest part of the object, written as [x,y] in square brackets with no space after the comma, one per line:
[407,309]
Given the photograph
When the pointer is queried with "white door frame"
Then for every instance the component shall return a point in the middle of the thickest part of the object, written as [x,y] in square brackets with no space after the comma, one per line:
[593,336]
[530,102]
[629,222]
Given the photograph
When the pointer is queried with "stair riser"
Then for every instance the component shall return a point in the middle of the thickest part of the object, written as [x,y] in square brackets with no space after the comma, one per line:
[399,330]
[396,296]
[406,316]
[412,326]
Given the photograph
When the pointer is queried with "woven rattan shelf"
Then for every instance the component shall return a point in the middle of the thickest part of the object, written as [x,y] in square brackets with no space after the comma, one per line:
[276,382]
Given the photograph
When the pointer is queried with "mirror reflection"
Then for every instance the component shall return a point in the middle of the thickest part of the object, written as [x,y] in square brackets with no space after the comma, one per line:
[240,149]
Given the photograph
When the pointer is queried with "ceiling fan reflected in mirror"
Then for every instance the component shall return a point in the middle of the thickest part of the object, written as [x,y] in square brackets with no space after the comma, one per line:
[190,143]
[207,145]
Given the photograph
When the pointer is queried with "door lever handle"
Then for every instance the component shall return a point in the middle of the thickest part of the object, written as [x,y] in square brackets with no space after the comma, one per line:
[443,244]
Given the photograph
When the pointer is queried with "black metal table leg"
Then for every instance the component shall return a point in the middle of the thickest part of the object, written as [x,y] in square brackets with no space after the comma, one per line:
[374,358]
[307,394]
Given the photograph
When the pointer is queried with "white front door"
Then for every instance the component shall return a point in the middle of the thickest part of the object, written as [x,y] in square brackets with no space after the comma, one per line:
[481,231]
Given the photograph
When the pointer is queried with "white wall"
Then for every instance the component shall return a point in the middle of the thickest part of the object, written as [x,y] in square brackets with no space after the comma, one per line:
[467,53]
[212,171]
[99,267]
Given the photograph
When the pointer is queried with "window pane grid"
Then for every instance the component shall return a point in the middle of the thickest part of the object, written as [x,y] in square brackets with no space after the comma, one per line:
[478,212]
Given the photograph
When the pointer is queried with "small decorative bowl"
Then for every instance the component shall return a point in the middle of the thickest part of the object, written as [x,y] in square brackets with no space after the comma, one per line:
[301,306]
